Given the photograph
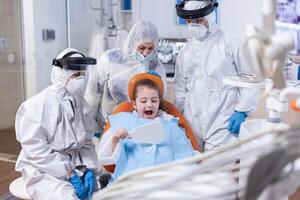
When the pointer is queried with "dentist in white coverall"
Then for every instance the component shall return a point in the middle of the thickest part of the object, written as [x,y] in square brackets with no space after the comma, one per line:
[58,159]
[214,110]
[108,85]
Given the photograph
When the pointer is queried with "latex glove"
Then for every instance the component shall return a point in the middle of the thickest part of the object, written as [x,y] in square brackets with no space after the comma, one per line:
[97,135]
[89,182]
[78,185]
[235,122]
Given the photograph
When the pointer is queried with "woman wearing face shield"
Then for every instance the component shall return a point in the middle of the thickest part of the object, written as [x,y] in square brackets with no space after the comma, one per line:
[55,129]
[116,67]
[214,110]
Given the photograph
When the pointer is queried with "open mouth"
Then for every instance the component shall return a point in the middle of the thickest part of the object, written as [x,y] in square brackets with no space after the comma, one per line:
[148,112]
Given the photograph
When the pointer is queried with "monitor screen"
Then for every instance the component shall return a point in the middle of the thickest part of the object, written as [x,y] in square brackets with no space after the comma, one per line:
[288,20]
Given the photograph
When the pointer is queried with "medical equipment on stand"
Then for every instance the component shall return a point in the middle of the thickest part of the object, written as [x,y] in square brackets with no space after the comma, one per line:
[268,54]
[110,15]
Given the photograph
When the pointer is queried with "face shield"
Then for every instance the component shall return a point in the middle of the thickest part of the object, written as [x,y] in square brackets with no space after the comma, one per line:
[200,16]
[71,71]
[205,8]
[74,61]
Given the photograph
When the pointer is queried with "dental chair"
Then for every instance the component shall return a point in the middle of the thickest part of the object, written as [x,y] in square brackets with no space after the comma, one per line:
[169,108]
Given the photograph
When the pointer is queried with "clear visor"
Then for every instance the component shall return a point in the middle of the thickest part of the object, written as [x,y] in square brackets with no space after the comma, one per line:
[202,20]
[81,75]
[93,89]
[76,73]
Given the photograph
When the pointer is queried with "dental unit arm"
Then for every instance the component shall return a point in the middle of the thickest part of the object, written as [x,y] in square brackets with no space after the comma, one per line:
[267,53]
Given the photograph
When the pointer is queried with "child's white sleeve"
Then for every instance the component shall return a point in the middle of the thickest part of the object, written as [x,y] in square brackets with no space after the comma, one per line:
[106,156]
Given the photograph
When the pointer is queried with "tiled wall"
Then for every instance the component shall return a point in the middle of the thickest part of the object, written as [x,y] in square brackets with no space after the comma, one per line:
[11,89]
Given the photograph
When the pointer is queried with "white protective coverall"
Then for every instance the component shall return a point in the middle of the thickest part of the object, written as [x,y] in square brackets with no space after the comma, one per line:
[55,132]
[116,67]
[206,102]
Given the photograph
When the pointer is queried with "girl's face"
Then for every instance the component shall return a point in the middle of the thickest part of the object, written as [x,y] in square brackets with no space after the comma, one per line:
[147,102]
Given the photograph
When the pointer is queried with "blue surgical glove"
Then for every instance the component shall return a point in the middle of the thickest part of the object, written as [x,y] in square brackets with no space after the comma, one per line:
[235,122]
[89,182]
[78,185]
[97,135]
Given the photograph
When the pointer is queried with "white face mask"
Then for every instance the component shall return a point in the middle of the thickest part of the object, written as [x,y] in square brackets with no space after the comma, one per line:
[76,86]
[140,57]
[198,31]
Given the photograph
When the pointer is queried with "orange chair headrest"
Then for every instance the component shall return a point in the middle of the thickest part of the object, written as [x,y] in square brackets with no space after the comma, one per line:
[138,77]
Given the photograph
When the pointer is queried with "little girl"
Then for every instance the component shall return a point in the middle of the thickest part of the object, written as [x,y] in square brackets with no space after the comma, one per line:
[127,154]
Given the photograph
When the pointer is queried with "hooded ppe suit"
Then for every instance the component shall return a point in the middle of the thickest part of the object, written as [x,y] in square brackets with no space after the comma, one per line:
[115,68]
[200,93]
[55,131]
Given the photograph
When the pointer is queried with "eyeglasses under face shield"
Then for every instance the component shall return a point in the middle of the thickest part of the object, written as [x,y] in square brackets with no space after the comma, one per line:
[74,63]
[195,14]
